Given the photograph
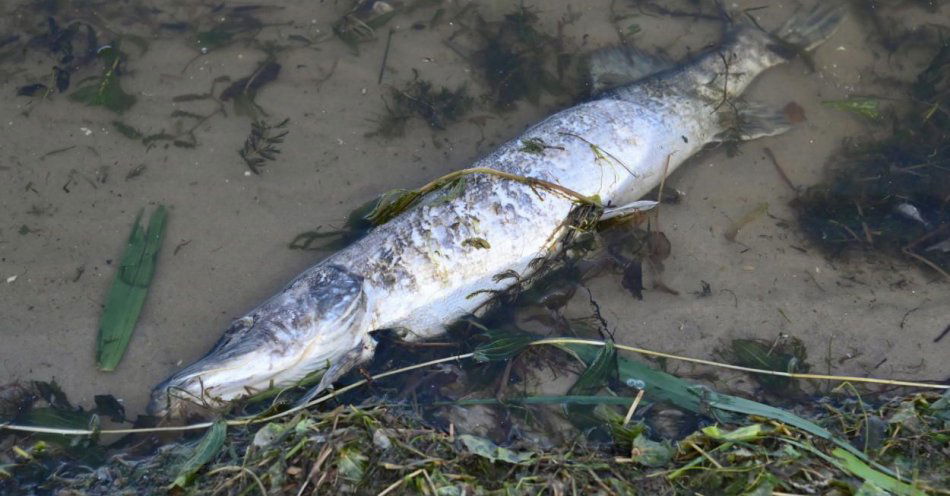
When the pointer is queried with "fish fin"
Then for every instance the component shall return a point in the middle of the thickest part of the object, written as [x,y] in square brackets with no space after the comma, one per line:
[615,66]
[350,359]
[747,121]
[806,30]
[630,208]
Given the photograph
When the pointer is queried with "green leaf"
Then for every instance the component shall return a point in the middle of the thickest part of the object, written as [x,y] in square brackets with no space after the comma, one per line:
[204,452]
[600,370]
[868,108]
[659,386]
[594,378]
[746,433]
[852,464]
[106,91]
[868,489]
[487,449]
[129,290]
[502,345]
[650,453]
[352,464]
[391,204]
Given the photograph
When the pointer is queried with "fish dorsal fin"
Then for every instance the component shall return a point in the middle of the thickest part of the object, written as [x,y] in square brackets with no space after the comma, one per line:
[614,66]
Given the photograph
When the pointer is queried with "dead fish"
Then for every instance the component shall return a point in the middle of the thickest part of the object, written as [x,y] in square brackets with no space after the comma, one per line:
[911,212]
[943,246]
[417,273]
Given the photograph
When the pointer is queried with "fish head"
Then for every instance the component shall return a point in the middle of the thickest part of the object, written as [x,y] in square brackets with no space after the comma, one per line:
[305,328]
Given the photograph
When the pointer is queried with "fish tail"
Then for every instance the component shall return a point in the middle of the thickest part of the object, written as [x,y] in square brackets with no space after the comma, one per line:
[806,30]
[749,50]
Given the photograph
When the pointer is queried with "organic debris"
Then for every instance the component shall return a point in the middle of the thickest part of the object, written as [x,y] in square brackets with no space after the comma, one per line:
[419,98]
[363,19]
[107,91]
[244,90]
[733,230]
[71,47]
[261,145]
[890,194]
[226,25]
[787,354]
[868,108]
[852,443]
[129,290]
[393,203]
[516,60]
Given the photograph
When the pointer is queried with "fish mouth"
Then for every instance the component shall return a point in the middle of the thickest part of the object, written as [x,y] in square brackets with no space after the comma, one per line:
[307,327]
[185,393]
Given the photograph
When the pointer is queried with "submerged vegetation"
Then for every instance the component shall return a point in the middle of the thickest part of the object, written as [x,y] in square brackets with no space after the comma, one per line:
[419,98]
[847,443]
[261,145]
[129,289]
[636,429]
[890,194]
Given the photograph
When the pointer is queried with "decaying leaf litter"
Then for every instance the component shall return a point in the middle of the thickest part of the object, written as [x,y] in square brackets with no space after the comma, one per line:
[346,464]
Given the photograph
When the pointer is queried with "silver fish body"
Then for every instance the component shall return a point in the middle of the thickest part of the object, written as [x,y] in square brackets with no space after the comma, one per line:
[437,261]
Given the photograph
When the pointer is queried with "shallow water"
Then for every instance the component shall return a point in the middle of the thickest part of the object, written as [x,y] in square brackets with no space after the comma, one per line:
[68,196]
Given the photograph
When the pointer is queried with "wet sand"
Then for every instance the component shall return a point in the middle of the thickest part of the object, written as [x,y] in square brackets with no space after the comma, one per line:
[226,244]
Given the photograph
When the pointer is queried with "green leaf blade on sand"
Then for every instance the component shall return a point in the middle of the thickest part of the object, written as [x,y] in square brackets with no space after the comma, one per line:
[129,290]
[204,452]
[869,108]
[106,91]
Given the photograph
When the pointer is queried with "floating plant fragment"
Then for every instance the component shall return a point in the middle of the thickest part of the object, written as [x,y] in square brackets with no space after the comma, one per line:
[868,108]
[203,452]
[129,290]
[487,449]
[244,90]
[261,145]
[106,90]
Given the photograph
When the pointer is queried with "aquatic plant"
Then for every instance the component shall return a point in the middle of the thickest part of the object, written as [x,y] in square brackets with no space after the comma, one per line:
[889,195]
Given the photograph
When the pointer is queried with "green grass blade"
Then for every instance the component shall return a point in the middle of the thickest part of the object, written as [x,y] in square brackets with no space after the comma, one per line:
[129,289]
[659,386]
[204,452]
[542,400]
[851,463]
[502,345]
[597,375]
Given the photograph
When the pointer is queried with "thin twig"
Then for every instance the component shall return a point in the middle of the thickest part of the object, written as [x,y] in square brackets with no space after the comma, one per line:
[781,173]
[705,455]
[930,264]
[392,487]
[633,407]
[236,468]
[382,67]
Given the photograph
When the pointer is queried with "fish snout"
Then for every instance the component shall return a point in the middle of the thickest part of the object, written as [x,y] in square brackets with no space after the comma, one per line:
[184,394]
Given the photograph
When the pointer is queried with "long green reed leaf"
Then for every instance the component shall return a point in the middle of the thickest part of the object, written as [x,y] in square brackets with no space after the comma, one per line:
[129,290]
[204,452]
